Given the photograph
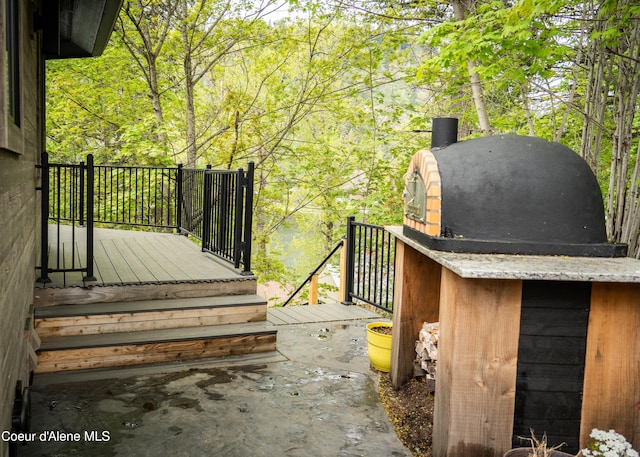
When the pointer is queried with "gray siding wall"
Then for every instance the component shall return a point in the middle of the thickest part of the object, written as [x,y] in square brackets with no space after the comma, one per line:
[19,220]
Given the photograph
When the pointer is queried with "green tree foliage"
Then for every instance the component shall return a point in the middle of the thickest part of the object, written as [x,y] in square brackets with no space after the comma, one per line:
[327,101]
[99,106]
[320,102]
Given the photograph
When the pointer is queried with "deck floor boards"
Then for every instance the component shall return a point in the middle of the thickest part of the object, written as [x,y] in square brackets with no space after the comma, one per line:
[103,249]
[135,261]
[326,312]
[129,257]
[164,265]
[123,257]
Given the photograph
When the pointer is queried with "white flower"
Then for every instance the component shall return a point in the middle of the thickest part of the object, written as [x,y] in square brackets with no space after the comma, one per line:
[608,444]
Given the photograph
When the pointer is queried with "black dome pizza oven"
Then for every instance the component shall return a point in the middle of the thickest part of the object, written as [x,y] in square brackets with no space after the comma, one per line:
[504,194]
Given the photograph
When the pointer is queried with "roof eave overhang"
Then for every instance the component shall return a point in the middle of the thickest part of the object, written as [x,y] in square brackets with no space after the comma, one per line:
[78,28]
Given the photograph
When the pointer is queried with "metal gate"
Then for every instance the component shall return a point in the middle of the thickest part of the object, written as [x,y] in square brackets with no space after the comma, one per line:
[66,204]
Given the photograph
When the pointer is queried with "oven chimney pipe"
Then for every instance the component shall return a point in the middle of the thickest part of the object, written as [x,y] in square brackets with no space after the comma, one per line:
[444,131]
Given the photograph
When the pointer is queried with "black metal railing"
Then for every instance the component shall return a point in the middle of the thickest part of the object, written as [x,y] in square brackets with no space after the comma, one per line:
[136,196]
[66,189]
[191,207]
[227,214]
[370,265]
[214,206]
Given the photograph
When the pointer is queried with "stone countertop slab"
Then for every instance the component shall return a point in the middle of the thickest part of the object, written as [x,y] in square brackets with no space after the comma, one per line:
[530,267]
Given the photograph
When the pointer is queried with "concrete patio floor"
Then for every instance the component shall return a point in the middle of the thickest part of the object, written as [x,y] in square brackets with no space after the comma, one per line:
[316,396]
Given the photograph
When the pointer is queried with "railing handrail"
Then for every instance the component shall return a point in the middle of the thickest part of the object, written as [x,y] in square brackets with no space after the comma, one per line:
[365,224]
[367,268]
[66,165]
[219,172]
[314,272]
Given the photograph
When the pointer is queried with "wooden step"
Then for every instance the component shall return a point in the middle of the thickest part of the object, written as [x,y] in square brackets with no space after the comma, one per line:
[120,349]
[69,320]
[91,294]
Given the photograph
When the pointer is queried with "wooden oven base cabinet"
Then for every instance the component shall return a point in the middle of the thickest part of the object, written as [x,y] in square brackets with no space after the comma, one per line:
[611,397]
[416,301]
[481,301]
[478,349]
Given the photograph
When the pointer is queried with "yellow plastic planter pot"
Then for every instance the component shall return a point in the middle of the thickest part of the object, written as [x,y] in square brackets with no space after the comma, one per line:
[379,347]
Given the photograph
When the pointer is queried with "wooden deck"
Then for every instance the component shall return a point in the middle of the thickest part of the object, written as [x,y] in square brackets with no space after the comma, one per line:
[148,259]
[156,298]
[328,312]
[124,257]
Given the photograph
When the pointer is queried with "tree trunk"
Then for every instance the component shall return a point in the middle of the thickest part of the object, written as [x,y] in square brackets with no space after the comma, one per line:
[261,238]
[631,224]
[596,101]
[627,219]
[192,148]
[614,69]
[144,18]
[527,109]
[478,99]
[460,11]
[154,93]
[189,86]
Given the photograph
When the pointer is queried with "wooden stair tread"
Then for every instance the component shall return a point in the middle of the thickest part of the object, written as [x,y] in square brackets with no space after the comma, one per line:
[148,306]
[152,336]
[109,293]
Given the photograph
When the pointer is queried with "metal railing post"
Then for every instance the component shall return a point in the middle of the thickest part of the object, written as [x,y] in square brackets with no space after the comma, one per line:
[349,273]
[81,216]
[206,209]
[342,297]
[238,219]
[44,220]
[90,201]
[179,197]
[248,218]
